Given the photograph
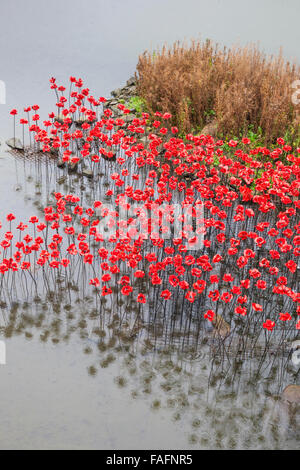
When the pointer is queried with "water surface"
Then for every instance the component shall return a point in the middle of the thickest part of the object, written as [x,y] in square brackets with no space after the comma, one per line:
[65,385]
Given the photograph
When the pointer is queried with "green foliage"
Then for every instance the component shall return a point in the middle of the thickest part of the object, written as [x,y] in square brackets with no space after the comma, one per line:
[292,136]
[209,114]
[137,103]
[256,137]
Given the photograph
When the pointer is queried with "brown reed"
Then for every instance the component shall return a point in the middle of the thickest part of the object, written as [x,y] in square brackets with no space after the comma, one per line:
[239,88]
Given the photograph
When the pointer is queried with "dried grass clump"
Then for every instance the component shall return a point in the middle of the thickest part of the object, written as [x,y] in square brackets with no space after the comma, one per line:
[239,87]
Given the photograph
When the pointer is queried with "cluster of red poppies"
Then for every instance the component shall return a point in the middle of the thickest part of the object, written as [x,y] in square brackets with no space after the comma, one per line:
[247,264]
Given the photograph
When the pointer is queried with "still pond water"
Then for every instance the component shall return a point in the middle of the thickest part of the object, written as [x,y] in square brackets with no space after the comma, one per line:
[71,379]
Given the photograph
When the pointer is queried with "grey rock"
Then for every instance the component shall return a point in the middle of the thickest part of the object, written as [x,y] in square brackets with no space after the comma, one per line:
[61,180]
[210,129]
[143,140]
[80,121]
[129,117]
[116,92]
[83,120]
[291,394]
[132,91]
[131,81]
[110,103]
[72,167]
[15,143]
[127,95]
[60,118]
[110,159]
[115,110]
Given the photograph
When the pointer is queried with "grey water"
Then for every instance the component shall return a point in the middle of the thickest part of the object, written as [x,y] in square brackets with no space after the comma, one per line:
[61,387]
[100,41]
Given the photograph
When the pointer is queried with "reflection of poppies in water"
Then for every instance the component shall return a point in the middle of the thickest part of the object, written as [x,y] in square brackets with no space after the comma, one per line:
[174,365]
[176,247]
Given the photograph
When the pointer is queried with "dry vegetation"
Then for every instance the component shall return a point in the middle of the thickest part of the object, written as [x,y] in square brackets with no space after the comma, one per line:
[240,87]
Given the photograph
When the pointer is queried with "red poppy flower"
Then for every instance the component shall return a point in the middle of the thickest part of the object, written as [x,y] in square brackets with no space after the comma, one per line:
[190,296]
[139,274]
[241,310]
[95,282]
[257,307]
[126,290]
[25,266]
[173,280]
[65,262]
[291,265]
[209,315]
[226,297]
[124,280]
[242,299]
[269,324]
[214,295]
[141,298]
[285,316]
[261,284]
[166,294]
[106,291]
